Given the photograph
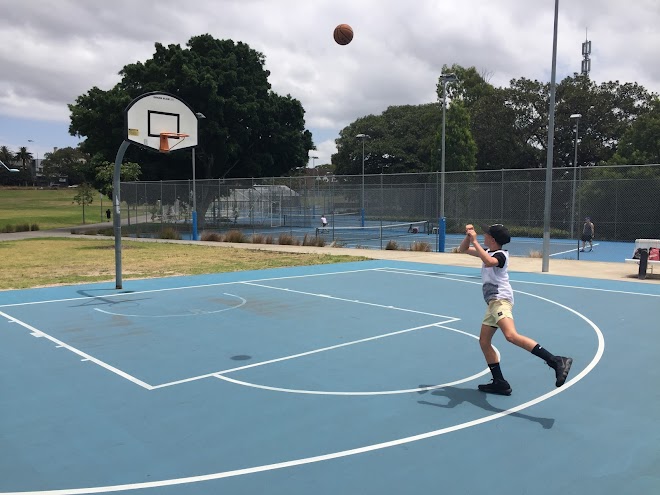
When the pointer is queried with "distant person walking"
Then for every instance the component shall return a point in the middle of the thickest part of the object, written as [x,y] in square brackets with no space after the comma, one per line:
[588,231]
[108,213]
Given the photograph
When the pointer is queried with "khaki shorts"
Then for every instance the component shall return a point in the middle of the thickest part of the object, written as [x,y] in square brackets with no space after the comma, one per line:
[497,309]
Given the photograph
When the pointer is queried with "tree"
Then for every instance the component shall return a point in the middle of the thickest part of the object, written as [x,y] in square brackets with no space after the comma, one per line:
[461,149]
[640,143]
[249,130]
[402,139]
[24,156]
[6,156]
[67,162]
[84,196]
[105,173]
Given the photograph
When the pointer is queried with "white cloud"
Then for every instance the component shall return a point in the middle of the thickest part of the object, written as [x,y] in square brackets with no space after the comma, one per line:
[51,56]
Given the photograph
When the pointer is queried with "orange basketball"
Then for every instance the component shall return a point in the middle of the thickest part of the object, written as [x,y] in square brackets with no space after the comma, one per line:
[343,34]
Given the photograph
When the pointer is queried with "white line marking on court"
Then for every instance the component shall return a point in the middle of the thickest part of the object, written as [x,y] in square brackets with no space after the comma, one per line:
[79,353]
[192,313]
[295,356]
[345,453]
[167,289]
[570,251]
[382,392]
[425,273]
[346,300]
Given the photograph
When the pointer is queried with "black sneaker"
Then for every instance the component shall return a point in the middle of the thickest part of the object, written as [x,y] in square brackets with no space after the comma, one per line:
[499,387]
[562,366]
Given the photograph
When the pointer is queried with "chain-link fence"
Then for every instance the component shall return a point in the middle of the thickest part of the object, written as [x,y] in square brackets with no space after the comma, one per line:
[623,202]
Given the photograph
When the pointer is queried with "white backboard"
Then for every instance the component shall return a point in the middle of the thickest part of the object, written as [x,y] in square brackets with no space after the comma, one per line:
[151,114]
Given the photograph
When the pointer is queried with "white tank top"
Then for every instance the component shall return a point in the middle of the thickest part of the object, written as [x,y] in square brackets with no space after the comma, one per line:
[496,279]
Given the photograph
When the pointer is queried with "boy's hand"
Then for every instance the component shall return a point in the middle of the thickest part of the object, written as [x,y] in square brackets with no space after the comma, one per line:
[470,232]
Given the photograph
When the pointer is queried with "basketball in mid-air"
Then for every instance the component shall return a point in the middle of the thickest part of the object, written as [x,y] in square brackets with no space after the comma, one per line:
[343,34]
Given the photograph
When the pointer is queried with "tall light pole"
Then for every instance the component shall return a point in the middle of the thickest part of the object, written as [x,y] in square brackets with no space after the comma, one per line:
[362,137]
[547,209]
[36,161]
[442,227]
[575,116]
[199,116]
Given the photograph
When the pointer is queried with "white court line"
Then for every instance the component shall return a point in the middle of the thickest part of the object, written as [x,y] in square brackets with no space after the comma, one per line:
[346,300]
[425,273]
[345,453]
[570,250]
[307,353]
[84,355]
[191,313]
[371,393]
[88,298]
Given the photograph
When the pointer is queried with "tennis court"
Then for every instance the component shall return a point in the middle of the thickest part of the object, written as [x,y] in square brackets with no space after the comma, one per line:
[349,378]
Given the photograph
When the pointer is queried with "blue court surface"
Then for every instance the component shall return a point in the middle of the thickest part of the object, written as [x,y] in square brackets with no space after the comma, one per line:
[355,378]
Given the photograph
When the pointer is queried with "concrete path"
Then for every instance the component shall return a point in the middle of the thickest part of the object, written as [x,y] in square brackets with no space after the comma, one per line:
[572,268]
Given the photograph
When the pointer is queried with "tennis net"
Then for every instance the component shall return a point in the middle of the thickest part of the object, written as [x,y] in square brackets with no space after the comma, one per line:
[373,232]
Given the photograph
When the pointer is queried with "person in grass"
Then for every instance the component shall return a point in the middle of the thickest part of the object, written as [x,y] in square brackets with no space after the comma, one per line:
[498,295]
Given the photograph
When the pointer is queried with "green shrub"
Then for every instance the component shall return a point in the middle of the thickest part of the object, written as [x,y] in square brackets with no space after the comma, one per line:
[235,236]
[392,245]
[288,240]
[34,226]
[420,246]
[169,233]
[313,240]
[208,235]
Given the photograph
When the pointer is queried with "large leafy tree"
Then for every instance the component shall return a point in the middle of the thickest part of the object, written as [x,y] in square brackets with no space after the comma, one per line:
[401,139]
[640,143]
[608,110]
[69,162]
[248,131]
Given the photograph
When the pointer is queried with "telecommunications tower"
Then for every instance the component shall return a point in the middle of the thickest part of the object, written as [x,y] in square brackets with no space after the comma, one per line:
[586,51]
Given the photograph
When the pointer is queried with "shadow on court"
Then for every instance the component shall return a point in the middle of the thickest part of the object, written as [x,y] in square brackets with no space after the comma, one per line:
[458,396]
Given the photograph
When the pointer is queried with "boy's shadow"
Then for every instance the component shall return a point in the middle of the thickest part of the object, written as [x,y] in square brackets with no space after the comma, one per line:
[458,396]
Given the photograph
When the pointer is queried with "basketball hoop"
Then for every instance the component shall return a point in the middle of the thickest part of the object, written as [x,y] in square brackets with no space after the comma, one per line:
[165,140]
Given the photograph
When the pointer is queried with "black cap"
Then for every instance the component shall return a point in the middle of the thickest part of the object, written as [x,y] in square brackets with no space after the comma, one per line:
[498,232]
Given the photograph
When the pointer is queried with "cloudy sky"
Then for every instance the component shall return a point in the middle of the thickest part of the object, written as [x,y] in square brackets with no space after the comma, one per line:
[50,53]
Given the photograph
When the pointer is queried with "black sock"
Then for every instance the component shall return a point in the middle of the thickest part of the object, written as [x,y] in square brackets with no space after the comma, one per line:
[496,371]
[544,354]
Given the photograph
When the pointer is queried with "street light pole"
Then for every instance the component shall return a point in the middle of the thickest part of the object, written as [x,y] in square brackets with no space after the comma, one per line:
[575,116]
[363,137]
[36,161]
[445,79]
[547,208]
[199,116]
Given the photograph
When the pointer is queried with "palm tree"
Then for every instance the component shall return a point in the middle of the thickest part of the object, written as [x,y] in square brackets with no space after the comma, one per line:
[23,156]
[6,156]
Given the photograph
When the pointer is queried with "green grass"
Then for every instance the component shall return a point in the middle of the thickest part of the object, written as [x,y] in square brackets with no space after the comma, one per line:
[60,261]
[48,208]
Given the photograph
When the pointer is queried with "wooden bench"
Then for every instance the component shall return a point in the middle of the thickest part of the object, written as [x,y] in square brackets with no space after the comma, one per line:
[644,244]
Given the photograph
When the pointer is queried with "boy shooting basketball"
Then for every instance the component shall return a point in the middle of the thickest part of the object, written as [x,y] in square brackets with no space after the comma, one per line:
[498,295]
